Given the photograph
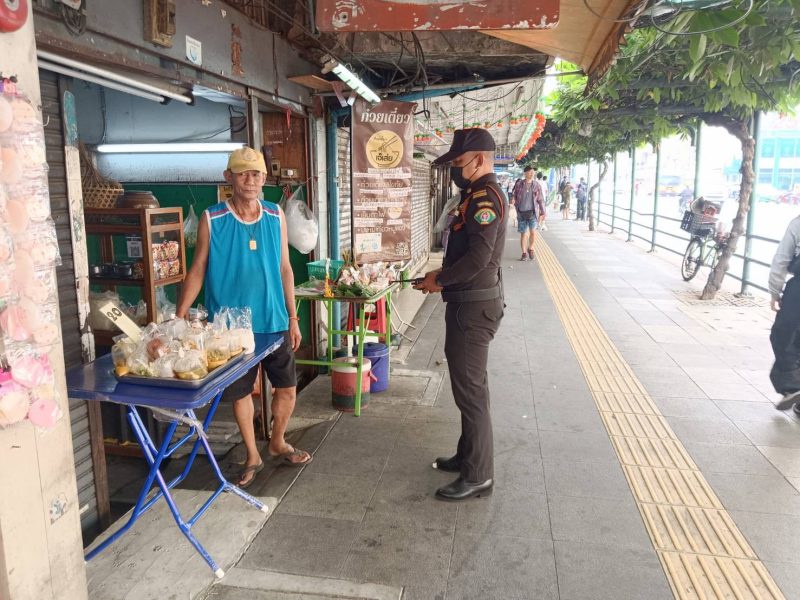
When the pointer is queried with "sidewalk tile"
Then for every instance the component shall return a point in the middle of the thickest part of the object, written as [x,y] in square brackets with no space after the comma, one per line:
[551,417]
[329,496]
[780,431]
[493,566]
[344,457]
[301,545]
[707,431]
[585,479]
[786,460]
[506,512]
[411,503]
[726,458]
[414,557]
[742,410]
[696,408]
[614,522]
[773,537]
[602,572]
[756,493]
[577,447]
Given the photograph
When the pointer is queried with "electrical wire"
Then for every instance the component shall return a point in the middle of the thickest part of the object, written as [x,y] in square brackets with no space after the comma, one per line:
[463,95]
[751,4]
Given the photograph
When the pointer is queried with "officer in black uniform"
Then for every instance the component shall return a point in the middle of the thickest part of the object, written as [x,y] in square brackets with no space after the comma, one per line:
[471,284]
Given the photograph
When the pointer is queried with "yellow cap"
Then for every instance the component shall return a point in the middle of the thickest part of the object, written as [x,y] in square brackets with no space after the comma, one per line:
[246,159]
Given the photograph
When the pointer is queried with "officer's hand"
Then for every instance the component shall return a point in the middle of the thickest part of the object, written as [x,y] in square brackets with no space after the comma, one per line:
[776,304]
[429,285]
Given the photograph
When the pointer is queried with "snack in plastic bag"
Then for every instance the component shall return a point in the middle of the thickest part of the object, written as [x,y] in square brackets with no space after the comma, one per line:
[242,324]
[122,349]
[164,366]
[44,410]
[190,226]
[190,366]
[139,363]
[218,350]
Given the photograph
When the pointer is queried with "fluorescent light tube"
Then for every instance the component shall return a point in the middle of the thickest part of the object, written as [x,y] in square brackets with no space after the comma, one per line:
[352,80]
[160,148]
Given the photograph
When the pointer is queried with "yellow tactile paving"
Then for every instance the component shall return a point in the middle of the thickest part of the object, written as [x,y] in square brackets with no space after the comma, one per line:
[704,554]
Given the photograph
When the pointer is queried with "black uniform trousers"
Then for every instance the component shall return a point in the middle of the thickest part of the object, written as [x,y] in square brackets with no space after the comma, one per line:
[469,328]
[785,339]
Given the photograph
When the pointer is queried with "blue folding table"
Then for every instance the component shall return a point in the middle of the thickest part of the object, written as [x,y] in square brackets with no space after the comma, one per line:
[96,381]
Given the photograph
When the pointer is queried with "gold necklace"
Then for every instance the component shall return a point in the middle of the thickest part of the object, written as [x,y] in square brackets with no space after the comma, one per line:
[250,227]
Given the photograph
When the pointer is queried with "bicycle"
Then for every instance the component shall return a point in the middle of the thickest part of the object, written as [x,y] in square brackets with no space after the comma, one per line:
[705,246]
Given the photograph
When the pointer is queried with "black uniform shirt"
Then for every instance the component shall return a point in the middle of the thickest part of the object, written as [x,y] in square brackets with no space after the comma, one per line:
[477,238]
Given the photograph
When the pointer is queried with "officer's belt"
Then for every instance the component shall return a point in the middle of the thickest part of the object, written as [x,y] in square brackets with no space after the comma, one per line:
[473,295]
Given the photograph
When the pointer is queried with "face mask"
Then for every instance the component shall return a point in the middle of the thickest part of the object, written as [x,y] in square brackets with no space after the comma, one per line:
[457,175]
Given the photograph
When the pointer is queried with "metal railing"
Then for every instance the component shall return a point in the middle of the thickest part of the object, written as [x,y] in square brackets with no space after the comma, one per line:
[623,218]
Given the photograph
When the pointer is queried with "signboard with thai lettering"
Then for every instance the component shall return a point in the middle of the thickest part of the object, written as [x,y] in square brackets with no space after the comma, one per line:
[435,15]
[382,150]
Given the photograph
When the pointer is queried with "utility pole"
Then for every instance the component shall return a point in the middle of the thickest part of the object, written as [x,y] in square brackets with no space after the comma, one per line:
[633,192]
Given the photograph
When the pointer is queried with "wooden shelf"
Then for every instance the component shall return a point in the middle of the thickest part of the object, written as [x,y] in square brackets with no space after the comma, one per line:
[134,282]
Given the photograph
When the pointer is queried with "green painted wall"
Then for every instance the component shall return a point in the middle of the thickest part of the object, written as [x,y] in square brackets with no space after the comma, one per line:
[201,196]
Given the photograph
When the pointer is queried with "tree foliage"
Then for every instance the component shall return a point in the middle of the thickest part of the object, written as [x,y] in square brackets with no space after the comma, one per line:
[719,65]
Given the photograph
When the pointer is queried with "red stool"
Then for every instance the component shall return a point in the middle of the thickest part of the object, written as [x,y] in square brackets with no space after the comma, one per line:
[376,319]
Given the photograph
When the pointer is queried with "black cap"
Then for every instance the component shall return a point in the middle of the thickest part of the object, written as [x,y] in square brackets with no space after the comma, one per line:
[467,140]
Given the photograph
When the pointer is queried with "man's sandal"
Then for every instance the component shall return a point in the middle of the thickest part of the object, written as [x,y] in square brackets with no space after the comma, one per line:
[285,458]
[254,469]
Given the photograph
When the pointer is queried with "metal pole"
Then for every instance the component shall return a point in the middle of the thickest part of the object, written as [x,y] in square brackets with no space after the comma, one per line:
[748,240]
[633,192]
[697,143]
[655,199]
[614,195]
[588,185]
[599,209]
[332,160]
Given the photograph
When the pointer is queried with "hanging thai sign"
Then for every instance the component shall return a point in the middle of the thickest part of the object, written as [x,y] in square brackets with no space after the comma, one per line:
[438,15]
[382,162]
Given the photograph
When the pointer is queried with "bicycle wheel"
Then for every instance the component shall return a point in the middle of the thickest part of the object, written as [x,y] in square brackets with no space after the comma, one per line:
[692,259]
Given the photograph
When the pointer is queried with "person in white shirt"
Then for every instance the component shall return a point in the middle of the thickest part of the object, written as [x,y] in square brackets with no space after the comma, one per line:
[785,334]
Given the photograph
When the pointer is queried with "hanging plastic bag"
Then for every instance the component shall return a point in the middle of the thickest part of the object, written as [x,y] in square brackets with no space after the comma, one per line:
[449,207]
[190,228]
[300,223]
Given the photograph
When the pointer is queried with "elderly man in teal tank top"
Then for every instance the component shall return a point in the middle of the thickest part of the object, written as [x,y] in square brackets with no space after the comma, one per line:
[242,255]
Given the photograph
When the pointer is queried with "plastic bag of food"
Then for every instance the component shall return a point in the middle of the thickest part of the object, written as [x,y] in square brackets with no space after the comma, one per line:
[122,349]
[139,363]
[218,350]
[97,319]
[190,228]
[156,341]
[190,366]
[242,324]
[164,366]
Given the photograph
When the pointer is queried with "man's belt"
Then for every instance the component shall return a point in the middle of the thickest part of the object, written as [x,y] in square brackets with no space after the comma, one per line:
[473,295]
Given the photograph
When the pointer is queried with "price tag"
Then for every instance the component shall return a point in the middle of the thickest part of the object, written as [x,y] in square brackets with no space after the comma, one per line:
[121,320]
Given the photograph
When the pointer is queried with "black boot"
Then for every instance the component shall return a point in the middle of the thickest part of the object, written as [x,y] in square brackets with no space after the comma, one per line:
[451,465]
[461,490]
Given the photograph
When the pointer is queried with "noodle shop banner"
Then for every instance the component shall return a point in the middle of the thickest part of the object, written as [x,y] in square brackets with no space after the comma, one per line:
[382,160]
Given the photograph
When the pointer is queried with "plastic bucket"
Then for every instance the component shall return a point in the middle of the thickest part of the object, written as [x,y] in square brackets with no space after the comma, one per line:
[343,383]
[378,354]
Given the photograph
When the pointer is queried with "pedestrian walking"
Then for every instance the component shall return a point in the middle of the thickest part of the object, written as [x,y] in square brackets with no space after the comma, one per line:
[785,334]
[471,284]
[565,191]
[528,201]
[581,195]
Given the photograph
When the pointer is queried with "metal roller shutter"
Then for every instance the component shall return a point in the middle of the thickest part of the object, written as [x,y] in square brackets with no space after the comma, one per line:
[343,147]
[67,296]
[420,211]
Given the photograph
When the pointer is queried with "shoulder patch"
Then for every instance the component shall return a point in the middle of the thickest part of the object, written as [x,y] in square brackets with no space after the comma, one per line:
[485,216]
[478,194]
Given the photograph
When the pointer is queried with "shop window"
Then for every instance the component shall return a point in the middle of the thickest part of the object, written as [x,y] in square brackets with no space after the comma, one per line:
[768,149]
[786,148]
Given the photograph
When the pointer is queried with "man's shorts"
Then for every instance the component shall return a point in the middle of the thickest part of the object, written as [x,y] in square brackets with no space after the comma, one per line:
[279,367]
[524,225]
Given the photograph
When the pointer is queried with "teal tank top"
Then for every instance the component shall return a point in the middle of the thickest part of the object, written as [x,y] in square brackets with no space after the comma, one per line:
[238,276]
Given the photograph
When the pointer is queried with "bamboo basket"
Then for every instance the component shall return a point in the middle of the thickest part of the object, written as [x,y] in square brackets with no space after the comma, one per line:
[98,191]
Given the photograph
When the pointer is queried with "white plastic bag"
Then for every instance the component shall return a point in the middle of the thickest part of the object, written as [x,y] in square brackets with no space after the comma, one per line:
[301,224]
[190,228]
[448,208]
